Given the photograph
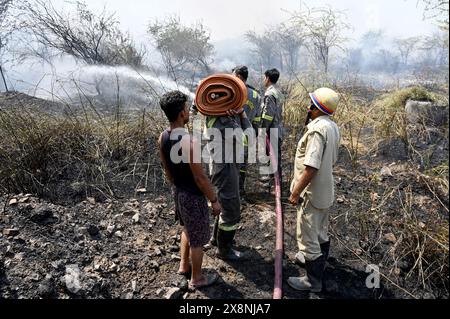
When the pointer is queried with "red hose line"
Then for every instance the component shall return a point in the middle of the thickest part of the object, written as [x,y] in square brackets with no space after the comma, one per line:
[278,280]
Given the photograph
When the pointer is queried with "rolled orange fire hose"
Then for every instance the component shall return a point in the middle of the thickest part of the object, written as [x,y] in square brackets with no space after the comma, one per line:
[278,281]
[220,93]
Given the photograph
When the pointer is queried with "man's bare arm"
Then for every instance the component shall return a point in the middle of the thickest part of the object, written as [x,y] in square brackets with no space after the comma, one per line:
[164,161]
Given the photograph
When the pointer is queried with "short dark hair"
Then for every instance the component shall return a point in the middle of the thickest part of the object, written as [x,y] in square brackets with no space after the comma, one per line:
[242,71]
[172,103]
[273,75]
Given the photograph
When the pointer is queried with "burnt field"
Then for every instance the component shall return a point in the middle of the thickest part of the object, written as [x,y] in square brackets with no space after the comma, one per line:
[86,213]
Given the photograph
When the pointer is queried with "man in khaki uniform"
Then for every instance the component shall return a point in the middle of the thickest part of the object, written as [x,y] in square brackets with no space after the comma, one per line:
[313,188]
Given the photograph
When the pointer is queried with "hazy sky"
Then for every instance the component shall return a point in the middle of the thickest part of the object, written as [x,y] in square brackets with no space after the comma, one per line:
[230,18]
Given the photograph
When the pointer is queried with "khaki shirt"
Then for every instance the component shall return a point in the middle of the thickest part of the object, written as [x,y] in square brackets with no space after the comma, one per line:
[318,148]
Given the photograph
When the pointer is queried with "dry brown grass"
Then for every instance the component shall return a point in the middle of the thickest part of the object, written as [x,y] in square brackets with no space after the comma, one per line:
[40,152]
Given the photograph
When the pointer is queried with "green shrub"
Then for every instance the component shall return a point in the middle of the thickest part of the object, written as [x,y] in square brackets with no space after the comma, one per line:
[398,98]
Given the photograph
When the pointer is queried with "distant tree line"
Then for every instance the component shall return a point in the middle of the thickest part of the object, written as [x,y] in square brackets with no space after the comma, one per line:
[310,38]
[313,37]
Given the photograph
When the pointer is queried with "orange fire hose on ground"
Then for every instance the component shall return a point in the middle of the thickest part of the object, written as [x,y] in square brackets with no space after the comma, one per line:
[219,93]
[278,280]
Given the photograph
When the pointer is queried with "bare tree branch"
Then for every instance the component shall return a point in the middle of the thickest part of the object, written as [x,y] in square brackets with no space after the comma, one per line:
[184,49]
[438,10]
[7,27]
[405,47]
[265,46]
[325,27]
[94,39]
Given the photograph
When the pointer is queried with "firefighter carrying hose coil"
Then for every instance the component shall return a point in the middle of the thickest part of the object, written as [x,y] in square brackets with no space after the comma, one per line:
[225,177]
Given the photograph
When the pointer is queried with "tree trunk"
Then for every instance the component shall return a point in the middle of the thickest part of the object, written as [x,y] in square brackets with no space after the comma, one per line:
[4,80]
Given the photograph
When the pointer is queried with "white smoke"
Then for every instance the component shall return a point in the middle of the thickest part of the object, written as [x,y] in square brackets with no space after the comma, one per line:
[225,65]
[69,81]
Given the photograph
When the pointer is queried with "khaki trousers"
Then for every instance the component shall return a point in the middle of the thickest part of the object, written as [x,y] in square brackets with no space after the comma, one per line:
[312,229]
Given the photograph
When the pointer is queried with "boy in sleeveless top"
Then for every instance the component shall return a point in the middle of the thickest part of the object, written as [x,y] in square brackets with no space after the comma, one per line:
[192,188]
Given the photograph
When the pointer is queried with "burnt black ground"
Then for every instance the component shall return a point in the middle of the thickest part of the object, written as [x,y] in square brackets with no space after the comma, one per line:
[142,259]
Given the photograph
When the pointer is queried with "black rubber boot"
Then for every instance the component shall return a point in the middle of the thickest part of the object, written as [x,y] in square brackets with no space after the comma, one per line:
[314,272]
[225,246]
[242,183]
[313,279]
[325,249]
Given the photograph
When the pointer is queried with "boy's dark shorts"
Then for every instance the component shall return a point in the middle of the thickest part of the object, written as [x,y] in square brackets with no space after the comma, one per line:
[193,213]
